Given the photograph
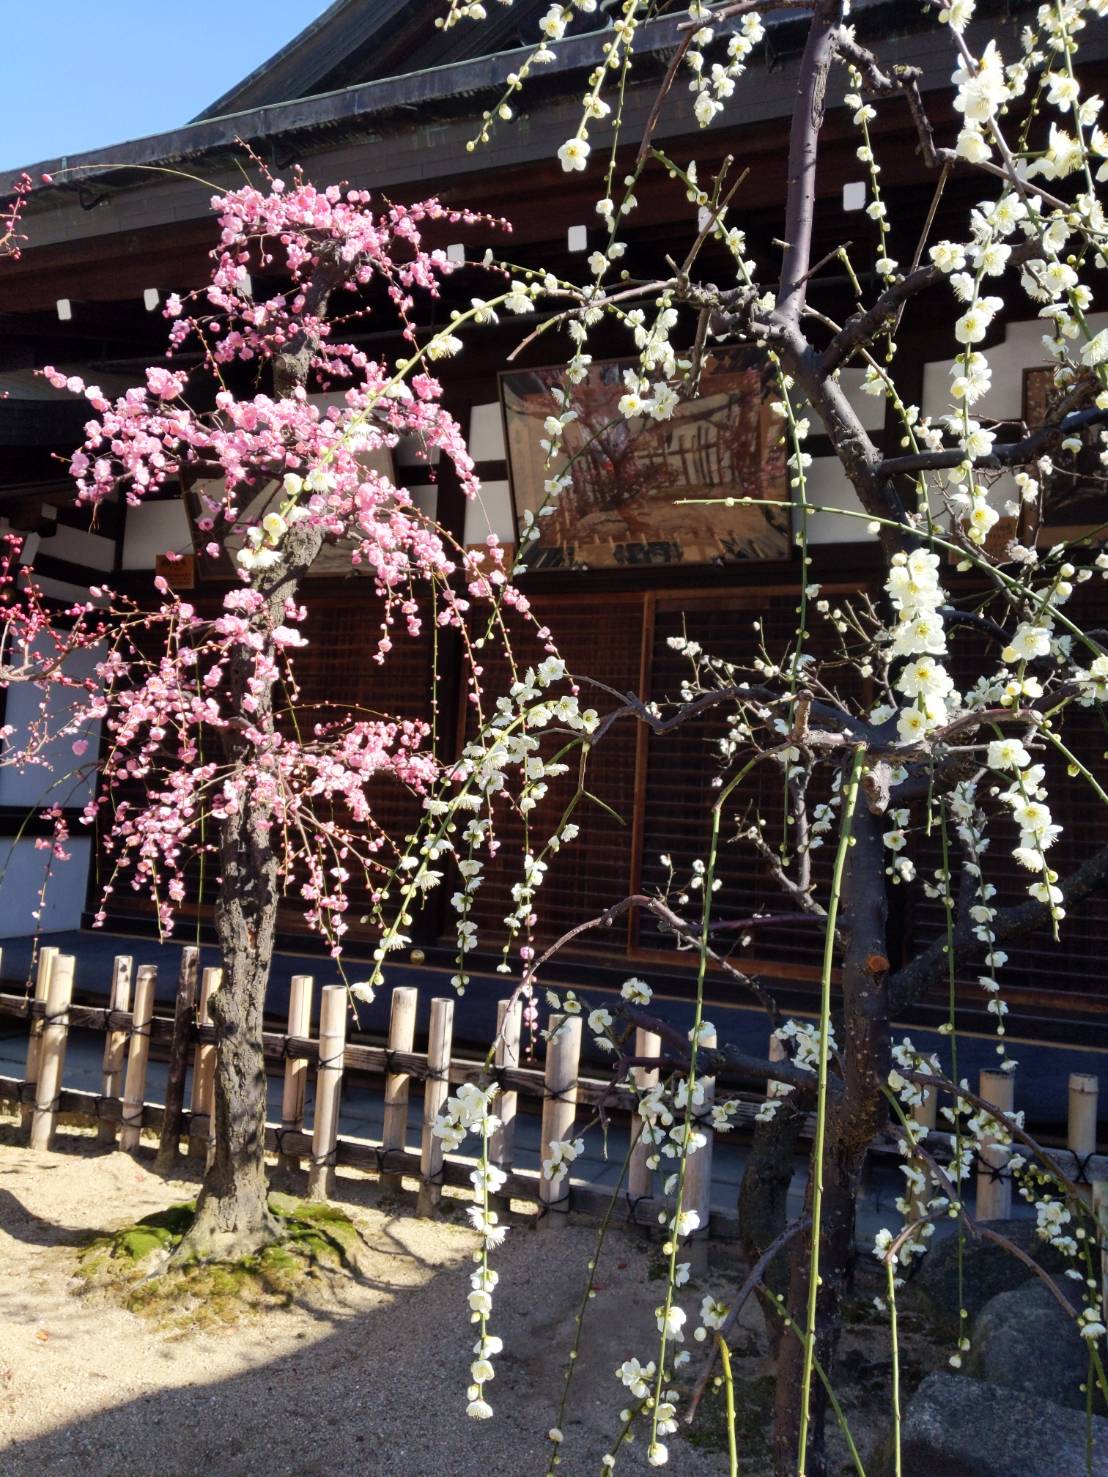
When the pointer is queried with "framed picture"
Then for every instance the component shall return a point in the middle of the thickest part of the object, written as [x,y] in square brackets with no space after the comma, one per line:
[621,507]
[1075,496]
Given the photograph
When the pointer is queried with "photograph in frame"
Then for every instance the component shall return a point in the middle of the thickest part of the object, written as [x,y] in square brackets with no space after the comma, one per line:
[622,508]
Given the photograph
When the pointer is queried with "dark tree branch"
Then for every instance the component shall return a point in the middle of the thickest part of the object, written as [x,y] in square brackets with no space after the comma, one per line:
[715,1060]
[863,327]
[901,81]
[931,966]
[1014,454]
[807,121]
[753,1281]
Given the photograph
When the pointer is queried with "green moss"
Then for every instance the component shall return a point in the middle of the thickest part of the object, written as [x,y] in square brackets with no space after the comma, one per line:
[753,1420]
[316,1240]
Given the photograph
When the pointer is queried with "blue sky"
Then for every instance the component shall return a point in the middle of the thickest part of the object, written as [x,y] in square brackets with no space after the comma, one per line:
[82,74]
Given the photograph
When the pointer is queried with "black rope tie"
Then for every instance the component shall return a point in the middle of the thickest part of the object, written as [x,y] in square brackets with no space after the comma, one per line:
[997,1174]
[117,1020]
[331,1063]
[326,1160]
[562,1095]
[1083,1162]
[137,1030]
[281,1134]
[440,1074]
[633,1203]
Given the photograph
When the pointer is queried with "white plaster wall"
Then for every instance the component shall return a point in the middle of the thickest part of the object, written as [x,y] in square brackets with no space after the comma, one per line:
[155,528]
[22,871]
[55,781]
[828,486]
[1021,349]
[490,512]
[78,546]
[486,433]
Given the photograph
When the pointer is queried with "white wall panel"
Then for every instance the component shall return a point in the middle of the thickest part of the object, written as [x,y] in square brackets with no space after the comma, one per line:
[153,529]
[22,870]
[490,512]
[486,434]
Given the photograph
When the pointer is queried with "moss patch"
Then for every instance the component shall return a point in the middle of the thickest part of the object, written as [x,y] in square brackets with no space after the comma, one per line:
[753,1421]
[317,1242]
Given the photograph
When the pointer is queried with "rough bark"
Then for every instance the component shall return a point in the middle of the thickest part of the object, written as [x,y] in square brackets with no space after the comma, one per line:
[232,1213]
[763,1196]
[854,1118]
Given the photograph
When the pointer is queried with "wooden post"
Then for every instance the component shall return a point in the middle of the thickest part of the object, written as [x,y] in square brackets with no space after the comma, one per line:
[640,1177]
[698,1168]
[559,1109]
[115,1044]
[169,1145]
[1081,1124]
[994,1196]
[328,1089]
[52,1051]
[509,1023]
[394,1131]
[203,1072]
[138,1054]
[46,956]
[296,1068]
[436,1089]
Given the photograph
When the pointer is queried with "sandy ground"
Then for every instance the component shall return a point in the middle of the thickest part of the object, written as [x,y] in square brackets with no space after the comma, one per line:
[371,1381]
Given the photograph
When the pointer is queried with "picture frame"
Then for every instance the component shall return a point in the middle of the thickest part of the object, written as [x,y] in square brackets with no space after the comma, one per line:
[622,508]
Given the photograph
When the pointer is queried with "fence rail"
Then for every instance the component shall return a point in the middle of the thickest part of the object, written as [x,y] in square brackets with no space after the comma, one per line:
[131,1026]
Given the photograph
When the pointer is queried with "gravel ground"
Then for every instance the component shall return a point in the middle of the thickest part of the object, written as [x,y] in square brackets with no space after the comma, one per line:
[370,1381]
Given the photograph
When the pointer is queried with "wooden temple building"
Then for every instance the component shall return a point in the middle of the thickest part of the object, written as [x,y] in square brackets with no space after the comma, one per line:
[374,94]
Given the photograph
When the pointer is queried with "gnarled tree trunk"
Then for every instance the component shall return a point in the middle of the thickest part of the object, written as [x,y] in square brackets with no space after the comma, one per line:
[854,1117]
[232,1214]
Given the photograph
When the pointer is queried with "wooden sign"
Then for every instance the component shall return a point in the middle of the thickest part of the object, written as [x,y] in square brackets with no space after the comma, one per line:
[179,573]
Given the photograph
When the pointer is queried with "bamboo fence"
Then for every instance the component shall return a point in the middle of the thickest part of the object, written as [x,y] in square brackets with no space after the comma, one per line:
[568,1099]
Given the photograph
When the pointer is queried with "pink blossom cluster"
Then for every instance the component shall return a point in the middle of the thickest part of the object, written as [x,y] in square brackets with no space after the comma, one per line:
[199,705]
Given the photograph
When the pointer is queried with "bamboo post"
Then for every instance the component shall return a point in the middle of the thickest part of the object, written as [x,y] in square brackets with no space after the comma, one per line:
[138,1054]
[698,1167]
[1081,1124]
[328,1088]
[394,1130]
[994,1195]
[436,1089]
[563,1055]
[203,1071]
[46,956]
[640,1177]
[52,1051]
[509,1023]
[296,1068]
[115,1044]
[169,1146]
